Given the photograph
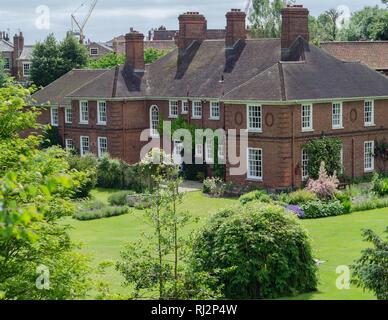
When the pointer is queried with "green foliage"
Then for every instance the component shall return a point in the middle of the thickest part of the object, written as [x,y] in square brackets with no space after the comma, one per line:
[256,251]
[84,182]
[265,19]
[370,23]
[119,198]
[152,54]
[50,137]
[370,204]
[380,185]
[131,199]
[320,209]
[3,73]
[381,154]
[51,60]
[88,162]
[214,187]
[327,150]
[345,200]
[107,61]
[257,195]
[370,271]
[301,196]
[101,212]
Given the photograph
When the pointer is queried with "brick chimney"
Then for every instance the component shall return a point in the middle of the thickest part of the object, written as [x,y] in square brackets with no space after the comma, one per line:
[192,26]
[18,46]
[134,50]
[295,23]
[235,27]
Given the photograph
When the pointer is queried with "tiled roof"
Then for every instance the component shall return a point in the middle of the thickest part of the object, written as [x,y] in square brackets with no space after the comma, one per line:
[250,71]
[372,53]
[55,92]
[5,46]
[26,53]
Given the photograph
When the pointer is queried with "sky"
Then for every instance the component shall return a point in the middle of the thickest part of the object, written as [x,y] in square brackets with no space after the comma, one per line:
[37,18]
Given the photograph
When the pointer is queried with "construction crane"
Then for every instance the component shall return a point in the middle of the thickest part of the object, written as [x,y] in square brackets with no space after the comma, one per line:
[78,26]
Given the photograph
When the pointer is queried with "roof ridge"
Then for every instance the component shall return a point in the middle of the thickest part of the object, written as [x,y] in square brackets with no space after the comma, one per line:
[282,83]
[249,80]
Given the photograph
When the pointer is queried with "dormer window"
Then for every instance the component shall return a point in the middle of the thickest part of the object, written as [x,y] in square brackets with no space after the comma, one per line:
[94,51]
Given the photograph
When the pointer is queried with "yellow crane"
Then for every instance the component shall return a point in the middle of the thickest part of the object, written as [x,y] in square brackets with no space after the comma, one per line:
[78,26]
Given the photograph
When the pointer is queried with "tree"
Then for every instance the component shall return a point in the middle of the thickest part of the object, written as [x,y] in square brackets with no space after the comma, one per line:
[74,55]
[333,16]
[51,60]
[35,187]
[112,60]
[255,251]
[371,270]
[370,23]
[265,19]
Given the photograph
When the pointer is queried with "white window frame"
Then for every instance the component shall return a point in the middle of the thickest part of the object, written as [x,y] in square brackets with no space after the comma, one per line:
[81,115]
[99,141]
[251,122]
[371,168]
[371,122]
[221,152]
[334,115]
[81,145]
[100,119]
[199,150]
[94,54]
[154,123]
[215,110]
[185,106]
[68,115]
[54,118]
[304,165]
[249,176]
[197,106]
[69,144]
[311,117]
[173,109]
[209,151]
[24,69]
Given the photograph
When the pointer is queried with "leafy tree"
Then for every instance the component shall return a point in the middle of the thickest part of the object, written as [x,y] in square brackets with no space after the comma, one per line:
[152,54]
[35,187]
[51,60]
[74,55]
[371,270]
[327,150]
[265,18]
[255,251]
[112,60]
[370,23]
[108,61]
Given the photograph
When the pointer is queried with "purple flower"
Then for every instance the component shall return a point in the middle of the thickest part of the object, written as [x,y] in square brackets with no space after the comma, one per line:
[297,210]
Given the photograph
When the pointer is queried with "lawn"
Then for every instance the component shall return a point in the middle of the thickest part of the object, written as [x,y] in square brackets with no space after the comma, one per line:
[337,240]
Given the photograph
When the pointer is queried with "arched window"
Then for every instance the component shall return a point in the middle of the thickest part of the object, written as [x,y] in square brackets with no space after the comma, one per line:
[154,121]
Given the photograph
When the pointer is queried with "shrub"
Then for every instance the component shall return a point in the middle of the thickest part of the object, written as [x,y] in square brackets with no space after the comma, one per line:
[319,209]
[257,195]
[345,200]
[301,196]
[214,187]
[131,199]
[370,204]
[256,251]
[104,212]
[380,185]
[87,162]
[371,270]
[325,186]
[84,182]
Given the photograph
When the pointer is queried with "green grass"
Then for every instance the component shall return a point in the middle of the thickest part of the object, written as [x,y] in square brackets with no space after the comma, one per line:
[336,240]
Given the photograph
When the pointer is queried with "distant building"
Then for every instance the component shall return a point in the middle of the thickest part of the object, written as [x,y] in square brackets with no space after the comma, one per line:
[372,53]
[97,50]
[17,56]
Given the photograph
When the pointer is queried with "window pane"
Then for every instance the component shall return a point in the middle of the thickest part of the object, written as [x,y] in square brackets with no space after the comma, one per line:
[255,163]
[254,117]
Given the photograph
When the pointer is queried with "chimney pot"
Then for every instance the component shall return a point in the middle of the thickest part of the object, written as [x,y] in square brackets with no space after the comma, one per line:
[192,27]
[134,50]
[235,27]
[295,23]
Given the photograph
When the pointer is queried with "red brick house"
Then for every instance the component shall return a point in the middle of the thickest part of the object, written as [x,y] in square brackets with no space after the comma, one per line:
[284,92]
